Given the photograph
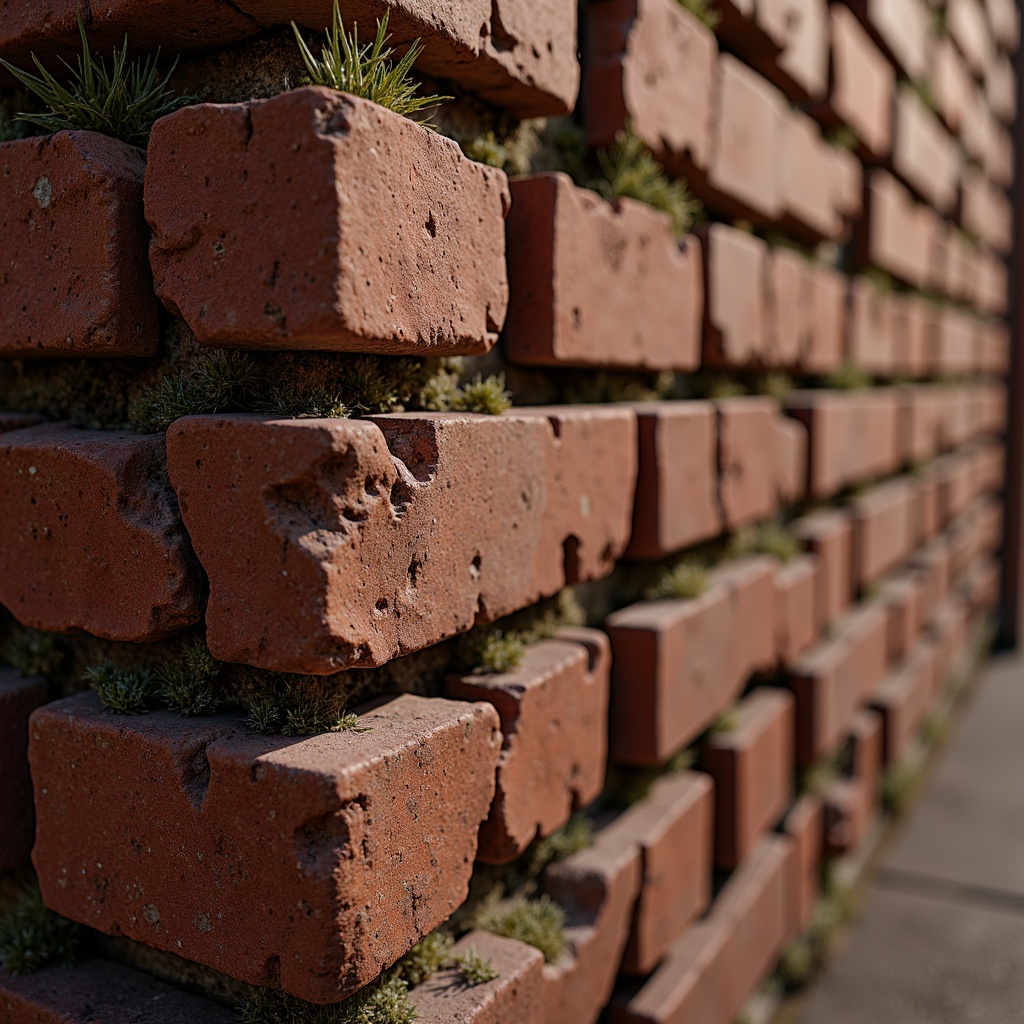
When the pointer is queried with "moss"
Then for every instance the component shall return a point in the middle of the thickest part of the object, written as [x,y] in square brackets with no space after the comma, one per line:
[882,282]
[769,538]
[797,964]
[630,171]
[188,685]
[898,785]
[843,137]
[32,937]
[511,147]
[575,835]
[474,969]
[33,653]
[125,691]
[537,922]
[385,1001]
[717,385]
[311,714]
[483,395]
[704,11]
[775,384]
[848,377]
[687,579]
[725,722]
[425,959]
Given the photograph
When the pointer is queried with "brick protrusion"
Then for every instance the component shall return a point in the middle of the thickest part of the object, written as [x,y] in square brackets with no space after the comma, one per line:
[829,536]
[903,701]
[796,606]
[851,801]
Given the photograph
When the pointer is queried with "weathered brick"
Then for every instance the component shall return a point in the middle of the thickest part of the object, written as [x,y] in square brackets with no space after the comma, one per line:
[554,719]
[985,211]
[371,539]
[599,284]
[829,536]
[1001,89]
[835,678]
[93,540]
[952,345]
[862,83]
[811,181]
[99,992]
[804,825]
[932,562]
[903,700]
[747,478]
[788,311]
[76,278]
[651,64]
[335,825]
[850,802]
[752,765]
[677,481]
[796,613]
[955,478]
[735,265]
[924,154]
[800,29]
[967,25]
[950,83]
[895,234]
[828,319]
[514,994]
[791,445]
[902,597]
[751,583]
[884,529]
[870,343]
[256,245]
[1004,18]
[19,697]
[908,330]
[673,827]
[903,27]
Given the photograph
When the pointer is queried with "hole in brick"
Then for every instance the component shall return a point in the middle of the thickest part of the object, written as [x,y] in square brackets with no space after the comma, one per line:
[570,558]
[504,41]
[431,226]
[474,566]
[272,972]
[322,842]
[195,772]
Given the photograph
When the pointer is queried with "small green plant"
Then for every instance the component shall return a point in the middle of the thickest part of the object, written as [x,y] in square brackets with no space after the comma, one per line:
[898,785]
[33,653]
[367,70]
[311,714]
[688,579]
[474,969]
[767,539]
[725,722]
[188,685]
[630,171]
[385,1001]
[775,384]
[717,385]
[483,395]
[575,835]
[265,716]
[848,377]
[122,101]
[495,651]
[797,964]
[125,691]
[843,137]
[704,11]
[537,922]
[425,959]
[880,281]
[33,936]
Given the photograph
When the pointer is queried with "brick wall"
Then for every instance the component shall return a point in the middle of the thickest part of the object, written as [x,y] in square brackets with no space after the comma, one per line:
[329,678]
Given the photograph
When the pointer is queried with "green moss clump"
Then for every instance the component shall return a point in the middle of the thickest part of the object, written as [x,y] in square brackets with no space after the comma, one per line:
[725,722]
[425,959]
[630,171]
[385,1001]
[486,395]
[474,969]
[767,539]
[33,653]
[704,11]
[775,384]
[843,137]
[33,936]
[189,684]
[848,378]
[898,784]
[687,579]
[537,922]
[125,691]
[492,651]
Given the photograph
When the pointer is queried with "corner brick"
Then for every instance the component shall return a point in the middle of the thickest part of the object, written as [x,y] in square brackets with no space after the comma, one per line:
[255,244]
[92,537]
[831,681]
[735,265]
[796,614]
[829,536]
[19,697]
[672,825]
[850,802]
[335,825]
[653,64]
[903,700]
[924,154]
[76,280]
[884,529]
[752,765]
[599,284]
[515,994]
[748,476]
[677,481]
[804,825]
[371,539]
[99,992]
[554,718]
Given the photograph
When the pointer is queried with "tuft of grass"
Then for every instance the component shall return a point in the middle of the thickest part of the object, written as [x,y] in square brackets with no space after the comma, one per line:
[767,539]
[385,1001]
[630,171]
[775,384]
[898,784]
[188,685]
[32,936]
[575,835]
[33,653]
[495,651]
[425,959]
[312,714]
[704,11]
[367,70]
[843,138]
[798,964]
[725,722]
[848,378]
[125,691]
[537,922]
[486,395]
[474,969]
[687,579]
[123,100]
[717,385]
[265,716]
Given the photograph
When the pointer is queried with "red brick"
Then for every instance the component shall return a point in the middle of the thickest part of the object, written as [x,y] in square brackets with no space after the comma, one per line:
[751,584]
[677,481]
[955,478]
[985,211]
[254,257]
[1005,21]
[804,825]
[93,540]
[903,27]
[1001,89]
[800,28]
[932,561]
[996,345]
[929,520]
[992,294]
[788,310]
[811,181]
[76,280]
[967,26]
[884,529]
[850,802]
[673,827]
[651,64]
[828,319]
[990,468]
[334,824]
[907,330]
[990,525]
[976,131]
[717,964]
[850,200]
[924,154]
[791,445]
[862,83]
[895,234]
[796,614]
[874,439]
[358,552]
[17,421]
[999,160]
[902,597]
[752,765]
[871,343]
[735,265]
[950,83]
[747,478]
[829,536]
[19,697]
[743,177]
[952,352]
[599,284]
[554,719]
[902,701]
[831,681]
[598,888]
[983,585]
[99,992]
